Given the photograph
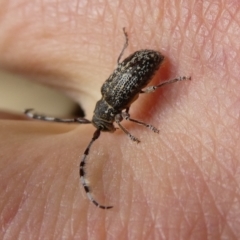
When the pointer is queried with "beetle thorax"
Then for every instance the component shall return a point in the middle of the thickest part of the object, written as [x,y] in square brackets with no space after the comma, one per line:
[104,116]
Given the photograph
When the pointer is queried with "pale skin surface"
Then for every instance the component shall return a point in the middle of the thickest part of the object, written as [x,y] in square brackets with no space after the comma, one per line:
[182,183]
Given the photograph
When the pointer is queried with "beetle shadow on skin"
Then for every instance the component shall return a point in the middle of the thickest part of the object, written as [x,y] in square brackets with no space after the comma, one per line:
[147,104]
[141,109]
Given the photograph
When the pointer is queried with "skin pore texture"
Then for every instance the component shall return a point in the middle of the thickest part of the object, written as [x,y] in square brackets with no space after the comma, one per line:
[182,183]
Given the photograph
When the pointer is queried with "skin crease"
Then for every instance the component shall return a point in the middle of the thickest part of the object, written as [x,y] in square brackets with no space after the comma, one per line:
[182,183]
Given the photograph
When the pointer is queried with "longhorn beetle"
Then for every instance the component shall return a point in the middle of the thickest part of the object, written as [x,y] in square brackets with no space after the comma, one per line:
[119,91]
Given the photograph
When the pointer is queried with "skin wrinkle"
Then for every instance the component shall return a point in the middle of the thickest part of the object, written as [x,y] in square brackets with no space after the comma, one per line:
[154,170]
[223,147]
[227,224]
[235,135]
[229,173]
[211,15]
[125,184]
[229,209]
[191,232]
[23,201]
[233,20]
[71,221]
[216,207]
[183,217]
[191,225]
[136,234]
[61,204]
[218,184]
[223,143]
[45,212]
[232,115]
[207,186]
[80,224]
[220,30]
[20,216]
[34,206]
[202,211]
[159,229]
[227,22]
[184,179]
[143,189]
[121,184]
[225,185]
[6,223]
[115,16]
[52,178]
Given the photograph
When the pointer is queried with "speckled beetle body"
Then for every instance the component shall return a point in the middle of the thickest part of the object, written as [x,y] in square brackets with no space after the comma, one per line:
[119,91]
[124,86]
[130,77]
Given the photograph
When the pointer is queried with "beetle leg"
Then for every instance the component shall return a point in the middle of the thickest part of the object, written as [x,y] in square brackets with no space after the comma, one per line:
[118,119]
[126,116]
[153,88]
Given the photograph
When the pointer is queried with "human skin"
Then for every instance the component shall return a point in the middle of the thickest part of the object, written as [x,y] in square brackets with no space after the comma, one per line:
[182,183]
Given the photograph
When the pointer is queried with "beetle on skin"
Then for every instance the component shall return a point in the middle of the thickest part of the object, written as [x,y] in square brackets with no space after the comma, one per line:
[119,91]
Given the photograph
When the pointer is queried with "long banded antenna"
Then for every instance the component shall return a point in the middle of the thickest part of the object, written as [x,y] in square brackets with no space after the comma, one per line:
[82,171]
